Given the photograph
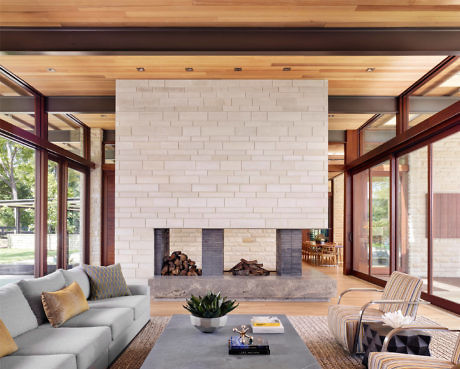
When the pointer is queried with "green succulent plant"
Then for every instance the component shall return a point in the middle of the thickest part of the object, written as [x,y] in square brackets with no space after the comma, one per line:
[210,306]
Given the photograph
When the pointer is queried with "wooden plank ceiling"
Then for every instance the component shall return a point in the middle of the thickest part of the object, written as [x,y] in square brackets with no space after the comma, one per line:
[91,75]
[247,13]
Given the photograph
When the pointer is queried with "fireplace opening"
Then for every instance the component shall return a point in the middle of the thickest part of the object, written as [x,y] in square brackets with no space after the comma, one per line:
[249,268]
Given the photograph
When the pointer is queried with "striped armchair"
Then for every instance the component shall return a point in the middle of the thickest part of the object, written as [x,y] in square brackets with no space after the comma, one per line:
[392,360]
[402,292]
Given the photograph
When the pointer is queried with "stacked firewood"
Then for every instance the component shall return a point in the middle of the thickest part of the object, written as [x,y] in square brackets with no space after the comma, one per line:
[249,267]
[179,264]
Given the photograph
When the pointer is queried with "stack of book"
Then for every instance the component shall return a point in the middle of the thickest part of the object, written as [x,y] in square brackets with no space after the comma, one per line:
[266,324]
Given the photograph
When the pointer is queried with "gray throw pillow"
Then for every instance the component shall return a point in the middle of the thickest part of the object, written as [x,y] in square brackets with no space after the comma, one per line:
[33,288]
[106,282]
[15,311]
[77,275]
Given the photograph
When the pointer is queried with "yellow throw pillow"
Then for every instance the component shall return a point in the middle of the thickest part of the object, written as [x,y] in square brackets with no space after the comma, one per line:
[7,344]
[64,304]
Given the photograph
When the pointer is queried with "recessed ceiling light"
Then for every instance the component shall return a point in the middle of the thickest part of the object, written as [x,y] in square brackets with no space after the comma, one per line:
[371,69]
[286,69]
[189,69]
[51,70]
[238,69]
[140,69]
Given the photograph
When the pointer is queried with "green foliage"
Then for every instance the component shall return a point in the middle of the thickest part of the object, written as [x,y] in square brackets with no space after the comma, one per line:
[210,306]
[17,181]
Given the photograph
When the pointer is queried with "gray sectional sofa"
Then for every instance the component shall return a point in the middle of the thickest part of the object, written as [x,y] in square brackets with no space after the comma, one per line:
[90,340]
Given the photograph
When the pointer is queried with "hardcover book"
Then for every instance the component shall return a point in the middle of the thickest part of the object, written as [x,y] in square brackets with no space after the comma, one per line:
[266,324]
[258,346]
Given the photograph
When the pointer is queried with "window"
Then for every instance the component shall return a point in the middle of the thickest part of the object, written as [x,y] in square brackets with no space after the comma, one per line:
[412,234]
[379,131]
[74,240]
[17,208]
[446,218]
[66,133]
[361,222]
[109,153]
[380,227]
[52,224]
[445,84]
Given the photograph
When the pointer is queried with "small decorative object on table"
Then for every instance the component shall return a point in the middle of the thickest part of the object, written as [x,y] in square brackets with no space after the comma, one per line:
[209,312]
[266,324]
[247,345]
[412,342]
[320,239]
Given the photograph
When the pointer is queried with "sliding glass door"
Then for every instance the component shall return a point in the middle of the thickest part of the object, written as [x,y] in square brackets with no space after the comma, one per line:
[380,219]
[371,220]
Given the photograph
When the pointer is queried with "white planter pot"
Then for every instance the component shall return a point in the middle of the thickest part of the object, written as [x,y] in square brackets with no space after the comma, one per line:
[208,325]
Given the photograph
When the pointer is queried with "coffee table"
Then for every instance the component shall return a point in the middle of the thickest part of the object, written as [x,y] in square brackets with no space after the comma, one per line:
[182,346]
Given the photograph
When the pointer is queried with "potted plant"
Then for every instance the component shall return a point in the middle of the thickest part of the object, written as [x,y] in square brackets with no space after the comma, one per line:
[209,312]
[320,239]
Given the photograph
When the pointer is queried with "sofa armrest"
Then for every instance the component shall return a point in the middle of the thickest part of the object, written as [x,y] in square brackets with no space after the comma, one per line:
[139,289]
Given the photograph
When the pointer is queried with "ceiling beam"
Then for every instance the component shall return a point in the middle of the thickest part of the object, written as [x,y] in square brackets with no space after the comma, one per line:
[337,104]
[232,41]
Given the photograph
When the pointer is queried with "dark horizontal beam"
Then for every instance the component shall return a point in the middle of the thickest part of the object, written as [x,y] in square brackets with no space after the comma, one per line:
[337,104]
[80,104]
[17,104]
[231,41]
[362,104]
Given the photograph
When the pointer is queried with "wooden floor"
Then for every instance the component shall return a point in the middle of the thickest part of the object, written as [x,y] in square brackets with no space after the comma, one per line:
[438,315]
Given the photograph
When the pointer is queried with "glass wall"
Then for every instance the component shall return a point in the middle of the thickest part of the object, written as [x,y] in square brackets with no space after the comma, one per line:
[74,218]
[412,213]
[378,132]
[380,227]
[446,218]
[52,223]
[361,222]
[446,83]
[66,133]
[17,208]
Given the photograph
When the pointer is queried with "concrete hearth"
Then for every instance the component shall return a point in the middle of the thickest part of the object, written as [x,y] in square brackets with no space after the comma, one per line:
[311,286]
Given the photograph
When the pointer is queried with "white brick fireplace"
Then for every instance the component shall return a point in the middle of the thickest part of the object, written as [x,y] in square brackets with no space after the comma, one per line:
[228,154]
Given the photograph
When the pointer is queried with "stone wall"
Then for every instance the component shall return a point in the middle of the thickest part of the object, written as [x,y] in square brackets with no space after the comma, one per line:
[217,154]
[338,206]
[96,196]
[187,240]
[250,244]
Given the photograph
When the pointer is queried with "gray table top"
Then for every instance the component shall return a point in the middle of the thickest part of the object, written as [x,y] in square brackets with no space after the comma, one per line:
[182,346]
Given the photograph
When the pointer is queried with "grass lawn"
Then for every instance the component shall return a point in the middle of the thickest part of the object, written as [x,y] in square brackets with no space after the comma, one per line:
[10,256]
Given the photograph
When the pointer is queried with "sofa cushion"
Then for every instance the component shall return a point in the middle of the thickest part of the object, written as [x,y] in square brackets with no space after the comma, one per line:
[15,310]
[87,344]
[139,303]
[117,319]
[7,344]
[77,275]
[33,288]
[66,361]
[64,304]
[106,282]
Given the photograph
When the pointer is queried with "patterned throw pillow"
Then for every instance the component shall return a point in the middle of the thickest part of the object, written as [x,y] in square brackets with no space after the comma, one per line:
[106,282]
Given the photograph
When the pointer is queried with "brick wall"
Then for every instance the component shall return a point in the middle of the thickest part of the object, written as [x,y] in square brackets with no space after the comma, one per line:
[217,154]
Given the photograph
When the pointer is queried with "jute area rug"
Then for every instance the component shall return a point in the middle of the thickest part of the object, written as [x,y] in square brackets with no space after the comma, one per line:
[312,329]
